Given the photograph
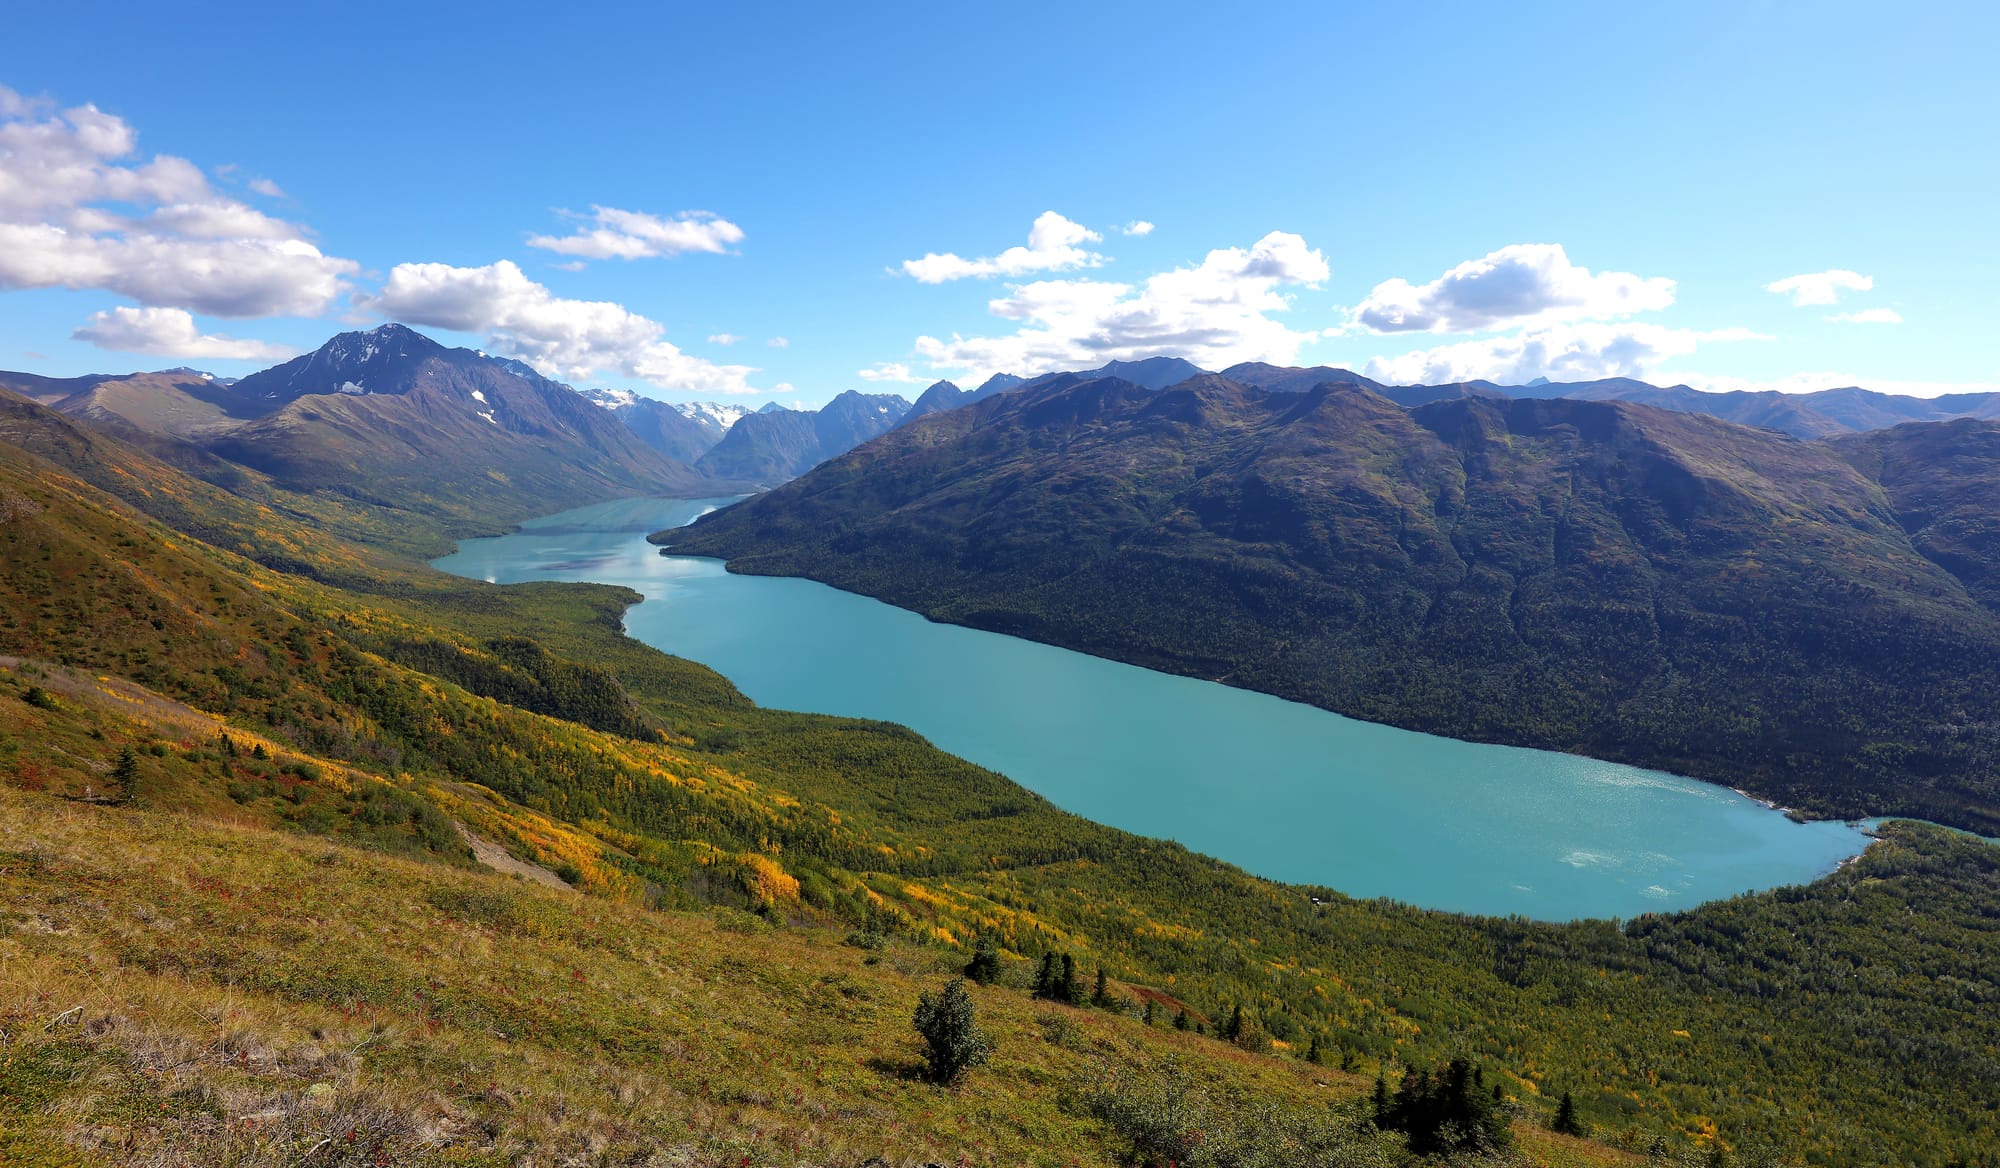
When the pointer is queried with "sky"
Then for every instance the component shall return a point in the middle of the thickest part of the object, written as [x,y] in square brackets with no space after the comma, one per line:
[780,202]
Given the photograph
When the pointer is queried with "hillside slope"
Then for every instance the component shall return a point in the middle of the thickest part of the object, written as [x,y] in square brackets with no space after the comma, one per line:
[1629,583]
[275,703]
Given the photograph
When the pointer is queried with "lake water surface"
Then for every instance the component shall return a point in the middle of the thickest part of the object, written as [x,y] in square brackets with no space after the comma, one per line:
[1284,790]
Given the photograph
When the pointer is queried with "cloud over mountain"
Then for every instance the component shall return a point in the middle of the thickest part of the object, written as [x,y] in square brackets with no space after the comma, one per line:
[170,332]
[1052,247]
[572,338]
[1563,352]
[1521,285]
[1214,314]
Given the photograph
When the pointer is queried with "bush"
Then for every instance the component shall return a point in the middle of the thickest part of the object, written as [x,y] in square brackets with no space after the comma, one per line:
[950,1026]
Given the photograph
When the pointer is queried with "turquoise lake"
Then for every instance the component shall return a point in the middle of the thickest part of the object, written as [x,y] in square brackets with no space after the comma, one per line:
[1284,790]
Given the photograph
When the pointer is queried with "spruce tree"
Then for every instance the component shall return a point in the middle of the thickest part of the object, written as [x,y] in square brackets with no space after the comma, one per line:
[1072,989]
[1101,996]
[1313,1054]
[1567,1122]
[1233,1030]
[1048,982]
[984,967]
[1147,1018]
[1181,1021]
[950,1026]
[125,772]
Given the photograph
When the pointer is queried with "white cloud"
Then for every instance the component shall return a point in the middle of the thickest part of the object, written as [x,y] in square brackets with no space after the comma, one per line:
[1869,316]
[778,343]
[267,188]
[631,235]
[171,332]
[1138,227]
[69,189]
[1563,352]
[1214,314]
[1052,247]
[570,338]
[723,338]
[889,371]
[1821,287]
[1522,285]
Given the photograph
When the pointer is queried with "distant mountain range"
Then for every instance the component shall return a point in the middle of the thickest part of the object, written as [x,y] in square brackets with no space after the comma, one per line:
[389,417]
[776,445]
[1817,621]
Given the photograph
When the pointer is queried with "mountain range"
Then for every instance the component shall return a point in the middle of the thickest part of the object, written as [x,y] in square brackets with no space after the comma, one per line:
[1814,621]
[775,445]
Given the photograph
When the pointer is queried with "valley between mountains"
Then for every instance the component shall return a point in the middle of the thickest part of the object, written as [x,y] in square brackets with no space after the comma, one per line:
[245,734]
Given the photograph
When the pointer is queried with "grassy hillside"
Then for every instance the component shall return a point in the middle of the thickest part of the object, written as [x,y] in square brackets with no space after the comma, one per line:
[1637,585]
[244,867]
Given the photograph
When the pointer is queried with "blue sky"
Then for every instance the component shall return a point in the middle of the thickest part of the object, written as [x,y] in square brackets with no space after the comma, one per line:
[1419,192]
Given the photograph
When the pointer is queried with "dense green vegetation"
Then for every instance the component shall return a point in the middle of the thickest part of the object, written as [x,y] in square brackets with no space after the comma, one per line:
[1796,1020]
[1614,580]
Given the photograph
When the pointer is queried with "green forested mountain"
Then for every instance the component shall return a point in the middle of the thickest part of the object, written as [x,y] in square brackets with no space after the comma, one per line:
[1645,586]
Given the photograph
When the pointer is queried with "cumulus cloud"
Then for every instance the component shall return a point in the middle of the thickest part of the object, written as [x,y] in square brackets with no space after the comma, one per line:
[1138,227]
[609,233]
[1523,285]
[778,343]
[267,188]
[1214,314]
[171,332]
[80,210]
[889,371]
[575,339]
[1869,316]
[723,338]
[1563,352]
[1052,247]
[1821,287]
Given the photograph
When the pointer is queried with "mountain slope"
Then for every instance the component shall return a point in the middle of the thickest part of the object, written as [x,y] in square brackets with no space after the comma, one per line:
[1629,583]
[361,986]
[773,446]
[683,431]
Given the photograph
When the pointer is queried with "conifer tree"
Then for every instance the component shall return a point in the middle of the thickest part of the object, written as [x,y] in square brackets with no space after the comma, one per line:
[984,967]
[1147,1018]
[1567,1122]
[1101,996]
[1048,982]
[125,772]
[1181,1021]
[1072,989]
[952,1038]
[1313,1054]
[1233,1029]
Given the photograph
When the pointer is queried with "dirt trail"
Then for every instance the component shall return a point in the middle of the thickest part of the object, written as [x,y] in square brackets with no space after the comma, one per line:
[495,857]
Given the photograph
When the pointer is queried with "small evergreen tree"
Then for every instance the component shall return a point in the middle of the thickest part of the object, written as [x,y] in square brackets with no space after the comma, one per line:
[1380,1100]
[1147,1017]
[1181,1021]
[1101,996]
[125,773]
[984,967]
[1313,1054]
[1567,1122]
[1048,982]
[1072,989]
[39,698]
[950,1026]
[1233,1029]
[1447,1112]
